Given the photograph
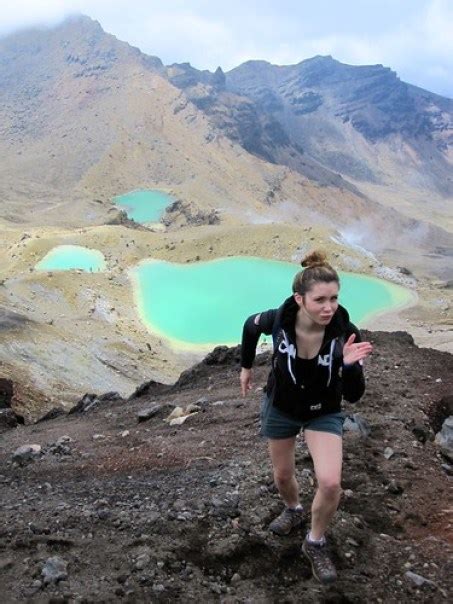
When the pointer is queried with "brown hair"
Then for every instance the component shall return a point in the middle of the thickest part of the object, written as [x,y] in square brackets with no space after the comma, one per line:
[316,269]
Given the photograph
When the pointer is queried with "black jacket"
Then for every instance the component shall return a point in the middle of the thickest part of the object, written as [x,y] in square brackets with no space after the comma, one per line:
[330,382]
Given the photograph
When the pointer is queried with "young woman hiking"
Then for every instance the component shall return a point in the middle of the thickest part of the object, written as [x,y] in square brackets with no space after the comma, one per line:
[317,361]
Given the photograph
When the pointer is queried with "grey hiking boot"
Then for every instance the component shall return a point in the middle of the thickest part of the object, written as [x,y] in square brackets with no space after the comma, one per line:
[287,521]
[321,564]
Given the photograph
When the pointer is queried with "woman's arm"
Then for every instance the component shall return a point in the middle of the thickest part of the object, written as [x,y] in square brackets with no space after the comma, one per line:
[354,351]
[254,326]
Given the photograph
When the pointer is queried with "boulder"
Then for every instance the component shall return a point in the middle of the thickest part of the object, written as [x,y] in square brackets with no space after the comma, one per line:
[178,421]
[404,271]
[148,388]
[54,570]
[388,452]
[444,438]
[148,413]
[418,580]
[356,423]
[109,397]
[177,412]
[222,355]
[88,401]
[26,453]
[52,414]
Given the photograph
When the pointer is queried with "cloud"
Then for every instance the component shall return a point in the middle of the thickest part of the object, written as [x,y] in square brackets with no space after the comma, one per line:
[189,37]
[420,48]
[23,13]
[413,37]
[437,24]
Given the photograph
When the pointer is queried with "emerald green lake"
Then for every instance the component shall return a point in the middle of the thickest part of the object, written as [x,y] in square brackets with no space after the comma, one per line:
[144,206]
[207,302]
[70,257]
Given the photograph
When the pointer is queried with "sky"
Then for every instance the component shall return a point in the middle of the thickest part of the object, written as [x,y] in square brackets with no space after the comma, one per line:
[413,37]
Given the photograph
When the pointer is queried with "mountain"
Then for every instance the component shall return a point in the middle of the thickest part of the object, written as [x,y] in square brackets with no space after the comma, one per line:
[324,119]
[85,117]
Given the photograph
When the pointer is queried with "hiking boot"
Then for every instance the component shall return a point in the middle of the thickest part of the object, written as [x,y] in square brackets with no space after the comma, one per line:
[287,521]
[321,564]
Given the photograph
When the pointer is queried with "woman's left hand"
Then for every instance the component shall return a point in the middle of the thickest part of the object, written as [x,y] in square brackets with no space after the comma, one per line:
[355,352]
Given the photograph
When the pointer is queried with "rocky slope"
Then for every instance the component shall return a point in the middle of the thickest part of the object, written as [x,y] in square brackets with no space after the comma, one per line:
[362,122]
[120,505]
[355,128]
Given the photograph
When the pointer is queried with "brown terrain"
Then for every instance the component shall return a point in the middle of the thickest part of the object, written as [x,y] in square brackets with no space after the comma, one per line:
[117,507]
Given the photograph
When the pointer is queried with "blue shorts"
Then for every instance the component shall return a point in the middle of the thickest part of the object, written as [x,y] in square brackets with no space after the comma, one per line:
[276,424]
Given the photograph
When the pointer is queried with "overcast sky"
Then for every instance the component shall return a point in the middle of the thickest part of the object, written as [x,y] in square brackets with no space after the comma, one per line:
[413,37]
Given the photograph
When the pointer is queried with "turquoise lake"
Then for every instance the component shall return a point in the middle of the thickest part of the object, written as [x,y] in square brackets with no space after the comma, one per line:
[71,257]
[207,302]
[144,206]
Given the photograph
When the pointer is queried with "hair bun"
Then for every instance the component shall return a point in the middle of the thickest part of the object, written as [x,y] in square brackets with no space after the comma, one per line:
[315,258]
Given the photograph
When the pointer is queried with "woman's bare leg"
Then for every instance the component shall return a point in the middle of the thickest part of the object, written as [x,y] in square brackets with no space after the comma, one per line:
[282,452]
[326,450]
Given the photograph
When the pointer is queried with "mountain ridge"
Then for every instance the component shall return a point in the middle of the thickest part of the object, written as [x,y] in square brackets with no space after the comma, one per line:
[272,121]
[371,130]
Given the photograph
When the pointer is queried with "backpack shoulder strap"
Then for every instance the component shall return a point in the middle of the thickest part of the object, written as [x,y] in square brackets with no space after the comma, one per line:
[338,350]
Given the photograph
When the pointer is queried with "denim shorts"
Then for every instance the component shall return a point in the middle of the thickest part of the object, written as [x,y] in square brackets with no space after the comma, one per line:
[276,424]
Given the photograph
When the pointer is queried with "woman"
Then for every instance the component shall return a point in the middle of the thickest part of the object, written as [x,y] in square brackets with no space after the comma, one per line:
[317,361]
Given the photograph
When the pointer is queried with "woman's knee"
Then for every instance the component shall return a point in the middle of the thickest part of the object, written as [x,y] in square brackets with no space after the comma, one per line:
[282,458]
[330,486]
[283,475]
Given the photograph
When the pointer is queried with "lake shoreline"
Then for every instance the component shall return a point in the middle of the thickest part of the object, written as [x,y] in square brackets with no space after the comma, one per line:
[253,272]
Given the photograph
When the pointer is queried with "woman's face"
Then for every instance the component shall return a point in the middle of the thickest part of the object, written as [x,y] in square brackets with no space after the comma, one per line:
[320,302]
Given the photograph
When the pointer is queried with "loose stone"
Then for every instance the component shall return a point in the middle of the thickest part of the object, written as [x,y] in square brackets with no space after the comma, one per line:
[419,580]
[147,413]
[26,453]
[54,570]
[388,452]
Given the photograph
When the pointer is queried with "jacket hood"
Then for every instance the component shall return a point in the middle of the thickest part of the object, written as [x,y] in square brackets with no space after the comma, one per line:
[337,326]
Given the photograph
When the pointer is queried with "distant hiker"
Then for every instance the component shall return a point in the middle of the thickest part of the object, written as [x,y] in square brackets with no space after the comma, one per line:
[317,361]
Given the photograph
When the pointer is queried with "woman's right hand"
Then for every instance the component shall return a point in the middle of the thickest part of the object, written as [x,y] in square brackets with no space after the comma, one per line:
[353,352]
[246,381]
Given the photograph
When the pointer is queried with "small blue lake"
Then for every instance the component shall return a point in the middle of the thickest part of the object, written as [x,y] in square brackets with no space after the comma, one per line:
[144,206]
[207,302]
[71,257]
